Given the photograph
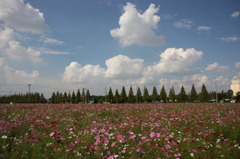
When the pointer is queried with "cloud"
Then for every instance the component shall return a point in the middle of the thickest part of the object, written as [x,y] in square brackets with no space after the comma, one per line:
[138,28]
[235,14]
[122,66]
[230,39]
[237,65]
[75,73]
[53,52]
[174,60]
[11,76]
[216,67]
[52,41]
[184,23]
[122,69]
[204,28]
[11,48]
[22,17]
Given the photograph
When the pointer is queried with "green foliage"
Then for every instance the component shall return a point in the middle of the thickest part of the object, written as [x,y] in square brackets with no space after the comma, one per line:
[163,95]
[131,98]
[139,95]
[117,96]
[172,95]
[110,97]
[193,94]
[204,95]
[146,97]
[154,95]
[182,96]
[123,96]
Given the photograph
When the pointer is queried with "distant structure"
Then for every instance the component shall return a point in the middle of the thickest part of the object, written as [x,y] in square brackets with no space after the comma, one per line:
[235,86]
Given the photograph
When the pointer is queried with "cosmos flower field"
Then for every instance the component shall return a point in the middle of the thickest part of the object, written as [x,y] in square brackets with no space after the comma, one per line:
[120,131]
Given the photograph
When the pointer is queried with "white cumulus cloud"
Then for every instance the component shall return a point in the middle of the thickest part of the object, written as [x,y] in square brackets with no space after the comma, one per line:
[11,48]
[11,76]
[138,28]
[122,66]
[76,73]
[22,17]
[176,60]
[216,67]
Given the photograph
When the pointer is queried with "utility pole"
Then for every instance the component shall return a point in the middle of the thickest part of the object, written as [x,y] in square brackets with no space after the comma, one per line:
[216,89]
[29,85]
[105,93]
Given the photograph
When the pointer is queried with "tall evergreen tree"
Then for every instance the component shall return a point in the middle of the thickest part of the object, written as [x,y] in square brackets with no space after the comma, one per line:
[131,98]
[154,95]
[163,95]
[145,95]
[73,97]
[83,96]
[182,96]
[172,95]
[204,95]
[139,95]
[69,99]
[65,97]
[117,97]
[53,98]
[110,97]
[88,96]
[123,96]
[78,96]
[193,94]
[57,98]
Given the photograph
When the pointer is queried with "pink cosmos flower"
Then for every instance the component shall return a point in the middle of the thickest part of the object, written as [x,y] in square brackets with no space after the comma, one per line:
[113,144]
[120,137]
[71,144]
[143,137]
[152,134]
[58,149]
[157,135]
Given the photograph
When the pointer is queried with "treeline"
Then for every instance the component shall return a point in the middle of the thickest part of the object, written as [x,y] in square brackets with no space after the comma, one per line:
[23,98]
[83,97]
[162,96]
[125,97]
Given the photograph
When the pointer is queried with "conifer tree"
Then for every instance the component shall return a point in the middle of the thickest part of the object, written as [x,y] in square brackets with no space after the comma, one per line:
[123,96]
[87,96]
[145,95]
[172,95]
[69,97]
[57,98]
[193,94]
[139,95]
[65,97]
[204,95]
[110,97]
[83,96]
[182,96]
[73,97]
[163,94]
[117,97]
[154,96]
[131,98]
[53,98]
[78,96]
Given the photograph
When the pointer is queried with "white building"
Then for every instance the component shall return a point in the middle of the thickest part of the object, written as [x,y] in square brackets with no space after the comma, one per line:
[235,86]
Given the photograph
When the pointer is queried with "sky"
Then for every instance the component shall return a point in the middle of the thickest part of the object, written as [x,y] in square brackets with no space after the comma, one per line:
[65,45]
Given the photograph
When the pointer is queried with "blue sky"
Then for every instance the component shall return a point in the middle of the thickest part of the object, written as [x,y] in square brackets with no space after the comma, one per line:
[63,45]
